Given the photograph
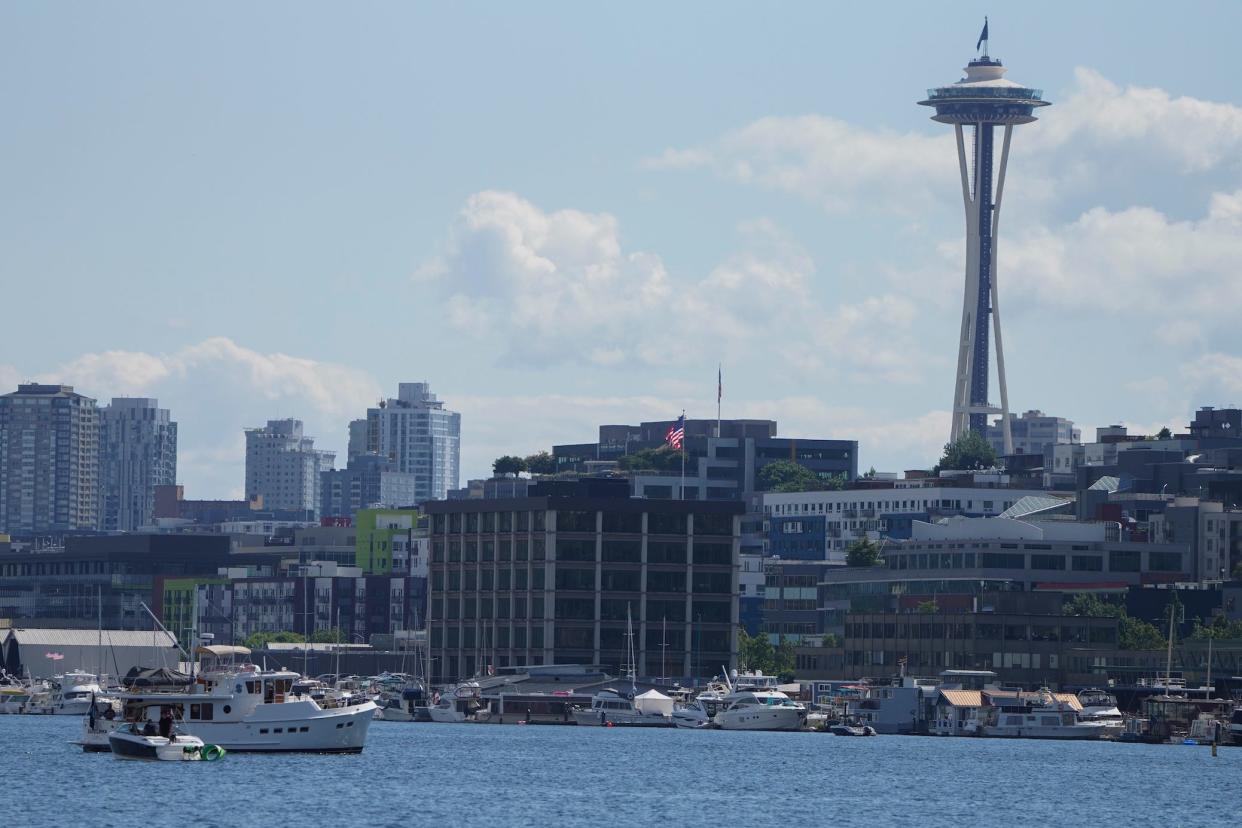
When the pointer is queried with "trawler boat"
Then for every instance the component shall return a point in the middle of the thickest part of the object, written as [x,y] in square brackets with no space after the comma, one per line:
[1036,716]
[610,708]
[132,741]
[760,710]
[241,707]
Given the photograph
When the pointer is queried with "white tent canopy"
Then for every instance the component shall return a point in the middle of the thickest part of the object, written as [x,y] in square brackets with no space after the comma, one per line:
[653,703]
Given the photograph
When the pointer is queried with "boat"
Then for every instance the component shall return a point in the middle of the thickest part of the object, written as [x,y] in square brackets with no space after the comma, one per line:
[392,711]
[700,712]
[1100,708]
[611,709]
[851,730]
[760,710]
[134,741]
[73,694]
[1035,716]
[458,704]
[15,698]
[244,708]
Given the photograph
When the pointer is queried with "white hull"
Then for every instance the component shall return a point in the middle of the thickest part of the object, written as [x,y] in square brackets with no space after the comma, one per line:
[446,715]
[1077,731]
[392,714]
[156,748]
[292,726]
[761,717]
[75,707]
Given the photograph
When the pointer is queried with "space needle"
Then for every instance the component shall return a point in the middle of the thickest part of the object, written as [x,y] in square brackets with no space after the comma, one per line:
[984,100]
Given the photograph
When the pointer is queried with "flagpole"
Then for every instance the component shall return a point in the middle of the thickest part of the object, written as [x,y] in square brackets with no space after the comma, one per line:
[683,455]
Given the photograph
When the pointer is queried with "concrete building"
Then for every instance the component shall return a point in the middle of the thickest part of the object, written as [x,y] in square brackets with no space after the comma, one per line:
[368,481]
[1032,433]
[420,436]
[283,467]
[983,100]
[137,452]
[822,525]
[561,576]
[49,461]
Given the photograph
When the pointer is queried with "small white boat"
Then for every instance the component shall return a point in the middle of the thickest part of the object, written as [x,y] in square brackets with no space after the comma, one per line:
[458,705]
[701,711]
[761,710]
[131,741]
[73,694]
[392,711]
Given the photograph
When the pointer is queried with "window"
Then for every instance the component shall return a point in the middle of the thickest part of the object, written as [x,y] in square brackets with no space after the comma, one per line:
[575,550]
[666,552]
[1123,560]
[622,551]
[720,554]
[666,524]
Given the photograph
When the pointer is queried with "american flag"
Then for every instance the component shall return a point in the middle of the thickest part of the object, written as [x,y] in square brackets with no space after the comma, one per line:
[676,432]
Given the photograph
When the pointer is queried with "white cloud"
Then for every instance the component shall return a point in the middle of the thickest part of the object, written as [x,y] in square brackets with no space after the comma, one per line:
[1179,274]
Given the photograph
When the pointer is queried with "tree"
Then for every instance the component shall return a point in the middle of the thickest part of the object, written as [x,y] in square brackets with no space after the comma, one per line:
[664,458]
[970,452]
[1218,627]
[927,608]
[755,652]
[508,464]
[863,552]
[328,636]
[785,662]
[260,640]
[788,476]
[1164,434]
[541,462]
[1132,633]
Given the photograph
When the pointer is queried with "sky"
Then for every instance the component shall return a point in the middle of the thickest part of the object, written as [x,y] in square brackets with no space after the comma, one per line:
[566,214]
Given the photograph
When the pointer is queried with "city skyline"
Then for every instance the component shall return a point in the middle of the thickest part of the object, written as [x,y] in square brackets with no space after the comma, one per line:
[793,217]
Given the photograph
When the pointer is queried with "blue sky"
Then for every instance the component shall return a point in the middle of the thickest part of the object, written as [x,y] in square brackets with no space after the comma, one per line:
[562,214]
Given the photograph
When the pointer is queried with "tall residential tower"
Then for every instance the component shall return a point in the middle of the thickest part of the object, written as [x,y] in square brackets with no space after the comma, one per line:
[283,467]
[983,100]
[137,452]
[420,436]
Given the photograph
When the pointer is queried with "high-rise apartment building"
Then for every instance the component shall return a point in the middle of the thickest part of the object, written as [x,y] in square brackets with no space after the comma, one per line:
[49,460]
[137,452]
[420,436]
[283,467]
[1032,432]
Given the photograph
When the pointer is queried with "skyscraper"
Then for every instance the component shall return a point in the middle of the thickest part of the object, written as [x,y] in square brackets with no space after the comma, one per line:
[283,466]
[420,436]
[49,460]
[983,99]
[137,452]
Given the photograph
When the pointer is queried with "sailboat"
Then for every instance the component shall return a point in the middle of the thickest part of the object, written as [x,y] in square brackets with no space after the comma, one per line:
[609,708]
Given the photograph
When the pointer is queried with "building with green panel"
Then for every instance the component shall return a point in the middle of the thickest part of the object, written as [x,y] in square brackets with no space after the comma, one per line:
[385,536]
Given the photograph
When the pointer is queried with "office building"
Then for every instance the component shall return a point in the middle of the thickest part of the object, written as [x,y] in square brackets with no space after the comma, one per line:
[49,461]
[368,481]
[1032,433]
[283,467]
[137,452]
[564,575]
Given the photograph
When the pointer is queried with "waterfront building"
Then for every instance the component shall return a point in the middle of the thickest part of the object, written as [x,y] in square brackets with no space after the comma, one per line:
[368,481]
[283,467]
[390,540]
[1032,433]
[562,576]
[137,453]
[23,651]
[983,100]
[49,461]
[822,525]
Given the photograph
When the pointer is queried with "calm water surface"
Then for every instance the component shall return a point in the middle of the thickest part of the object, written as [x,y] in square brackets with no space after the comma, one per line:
[438,774]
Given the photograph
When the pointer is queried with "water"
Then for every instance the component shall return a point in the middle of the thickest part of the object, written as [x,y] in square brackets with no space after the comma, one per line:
[438,774]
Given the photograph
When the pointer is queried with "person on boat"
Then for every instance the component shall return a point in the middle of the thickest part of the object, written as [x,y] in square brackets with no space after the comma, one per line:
[109,713]
[149,729]
[166,724]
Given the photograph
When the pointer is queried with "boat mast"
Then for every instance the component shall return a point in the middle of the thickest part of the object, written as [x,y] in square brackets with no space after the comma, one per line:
[99,645]
[629,634]
[1168,664]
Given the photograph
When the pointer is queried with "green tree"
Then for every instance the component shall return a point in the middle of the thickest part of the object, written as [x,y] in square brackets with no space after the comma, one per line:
[541,462]
[260,640]
[863,552]
[1218,627]
[328,636]
[785,661]
[832,640]
[755,652]
[508,464]
[788,476]
[1164,434]
[970,452]
[927,607]
[664,458]
[1133,633]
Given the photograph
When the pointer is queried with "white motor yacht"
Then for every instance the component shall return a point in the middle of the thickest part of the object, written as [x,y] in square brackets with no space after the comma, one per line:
[760,710]
[1037,716]
[1100,708]
[133,741]
[241,707]
[73,694]
[392,711]
[701,711]
[610,708]
[458,705]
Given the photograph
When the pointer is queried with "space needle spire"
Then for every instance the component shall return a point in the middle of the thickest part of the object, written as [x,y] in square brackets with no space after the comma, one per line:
[983,100]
